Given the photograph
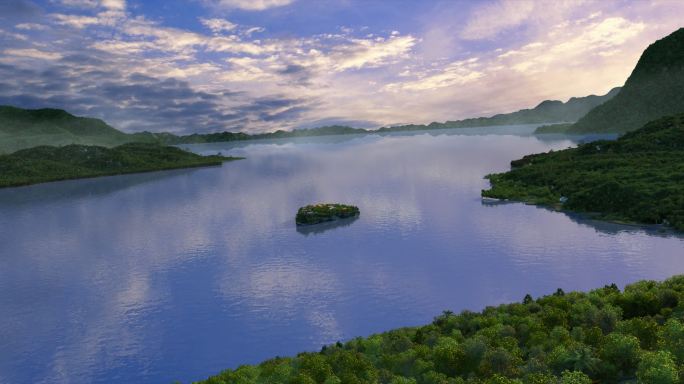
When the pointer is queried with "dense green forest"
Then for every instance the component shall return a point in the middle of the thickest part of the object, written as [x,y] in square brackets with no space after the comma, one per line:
[639,177]
[603,336]
[46,163]
[653,90]
[318,213]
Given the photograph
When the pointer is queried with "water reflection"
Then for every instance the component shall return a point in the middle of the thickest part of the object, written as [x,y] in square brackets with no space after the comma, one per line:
[323,227]
[176,276]
[602,226]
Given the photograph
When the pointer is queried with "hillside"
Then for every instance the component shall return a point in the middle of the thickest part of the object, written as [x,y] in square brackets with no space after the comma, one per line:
[639,177]
[603,336]
[548,111]
[46,163]
[24,128]
[653,90]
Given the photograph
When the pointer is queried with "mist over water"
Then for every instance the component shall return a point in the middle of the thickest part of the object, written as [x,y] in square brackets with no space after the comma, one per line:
[178,275]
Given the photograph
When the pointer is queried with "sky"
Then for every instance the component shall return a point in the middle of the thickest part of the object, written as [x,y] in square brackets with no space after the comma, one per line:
[262,65]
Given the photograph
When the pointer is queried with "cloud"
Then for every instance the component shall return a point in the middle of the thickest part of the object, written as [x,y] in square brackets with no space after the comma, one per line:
[491,19]
[370,53]
[80,3]
[32,53]
[76,21]
[112,5]
[456,73]
[249,5]
[31,27]
[568,46]
[218,25]
[141,72]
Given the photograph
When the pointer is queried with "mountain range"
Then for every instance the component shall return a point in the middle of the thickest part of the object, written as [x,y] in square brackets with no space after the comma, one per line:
[24,128]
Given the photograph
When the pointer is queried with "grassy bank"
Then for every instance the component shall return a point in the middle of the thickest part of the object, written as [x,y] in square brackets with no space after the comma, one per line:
[638,178]
[46,163]
[604,335]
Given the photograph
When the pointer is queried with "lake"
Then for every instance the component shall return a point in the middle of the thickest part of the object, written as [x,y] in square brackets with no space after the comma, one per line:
[177,275]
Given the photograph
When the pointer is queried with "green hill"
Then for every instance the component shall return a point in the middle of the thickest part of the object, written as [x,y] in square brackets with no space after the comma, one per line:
[602,336]
[25,128]
[639,177]
[654,89]
[47,163]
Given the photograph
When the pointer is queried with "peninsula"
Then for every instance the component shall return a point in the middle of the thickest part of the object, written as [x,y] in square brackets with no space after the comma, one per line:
[637,178]
[46,163]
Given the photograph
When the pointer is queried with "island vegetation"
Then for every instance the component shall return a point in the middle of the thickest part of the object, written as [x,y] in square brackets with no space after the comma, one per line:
[638,178]
[47,163]
[605,336]
[319,213]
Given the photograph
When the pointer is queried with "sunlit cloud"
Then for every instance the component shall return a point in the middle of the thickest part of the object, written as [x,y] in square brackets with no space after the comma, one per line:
[249,66]
[218,25]
[250,5]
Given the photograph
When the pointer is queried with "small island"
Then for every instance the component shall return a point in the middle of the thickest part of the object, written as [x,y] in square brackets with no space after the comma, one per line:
[319,213]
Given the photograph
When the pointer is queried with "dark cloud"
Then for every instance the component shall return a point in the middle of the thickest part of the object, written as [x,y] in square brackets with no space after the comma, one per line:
[289,114]
[293,69]
[140,102]
[82,59]
[297,74]
[94,82]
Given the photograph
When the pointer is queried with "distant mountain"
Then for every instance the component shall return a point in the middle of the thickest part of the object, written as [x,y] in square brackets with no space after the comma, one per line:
[548,111]
[653,90]
[231,136]
[24,128]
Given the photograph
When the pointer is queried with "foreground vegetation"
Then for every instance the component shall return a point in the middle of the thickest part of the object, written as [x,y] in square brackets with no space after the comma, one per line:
[46,163]
[603,336]
[638,178]
[319,213]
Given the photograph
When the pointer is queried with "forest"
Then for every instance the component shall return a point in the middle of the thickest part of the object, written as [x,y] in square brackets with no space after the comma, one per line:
[605,335]
[638,178]
[47,163]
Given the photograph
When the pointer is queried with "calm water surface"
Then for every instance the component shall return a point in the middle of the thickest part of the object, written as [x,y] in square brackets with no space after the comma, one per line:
[177,275]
